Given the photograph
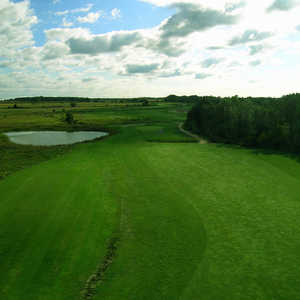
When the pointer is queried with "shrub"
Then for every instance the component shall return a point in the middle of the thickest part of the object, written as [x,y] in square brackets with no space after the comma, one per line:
[69,118]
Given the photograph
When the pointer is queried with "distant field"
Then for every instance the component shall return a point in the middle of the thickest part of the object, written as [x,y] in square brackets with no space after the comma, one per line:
[51,115]
[88,116]
[188,221]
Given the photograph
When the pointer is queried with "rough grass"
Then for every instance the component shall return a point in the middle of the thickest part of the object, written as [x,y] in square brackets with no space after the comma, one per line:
[15,157]
[89,116]
[192,221]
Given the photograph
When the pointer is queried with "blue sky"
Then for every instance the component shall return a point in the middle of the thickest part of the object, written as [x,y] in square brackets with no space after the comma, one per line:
[134,15]
[138,48]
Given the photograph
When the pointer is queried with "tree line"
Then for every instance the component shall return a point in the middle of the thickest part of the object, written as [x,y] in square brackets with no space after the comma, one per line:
[257,122]
[40,99]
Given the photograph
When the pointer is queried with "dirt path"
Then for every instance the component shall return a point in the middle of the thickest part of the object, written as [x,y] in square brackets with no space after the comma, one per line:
[90,288]
[195,136]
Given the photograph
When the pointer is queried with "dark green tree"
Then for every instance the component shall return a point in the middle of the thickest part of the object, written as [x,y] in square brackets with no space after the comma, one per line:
[69,118]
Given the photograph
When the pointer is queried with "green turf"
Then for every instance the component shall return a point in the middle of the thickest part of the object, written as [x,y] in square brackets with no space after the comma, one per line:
[194,221]
[56,220]
[14,157]
[222,225]
[87,115]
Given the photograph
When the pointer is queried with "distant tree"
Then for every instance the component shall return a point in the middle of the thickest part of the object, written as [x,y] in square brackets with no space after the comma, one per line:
[69,118]
[145,103]
[172,98]
[260,122]
[15,106]
[73,104]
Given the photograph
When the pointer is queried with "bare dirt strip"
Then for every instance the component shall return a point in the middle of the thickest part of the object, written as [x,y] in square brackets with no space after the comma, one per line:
[201,140]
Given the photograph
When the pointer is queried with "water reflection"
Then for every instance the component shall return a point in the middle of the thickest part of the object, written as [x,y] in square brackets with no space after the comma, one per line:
[53,138]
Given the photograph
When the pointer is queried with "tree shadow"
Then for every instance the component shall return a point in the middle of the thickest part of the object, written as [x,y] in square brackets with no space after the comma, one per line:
[258,151]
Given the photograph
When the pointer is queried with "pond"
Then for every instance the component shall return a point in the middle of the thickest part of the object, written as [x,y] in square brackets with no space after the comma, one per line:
[53,138]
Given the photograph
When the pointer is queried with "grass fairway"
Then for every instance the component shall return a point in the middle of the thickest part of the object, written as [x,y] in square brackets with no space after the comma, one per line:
[193,221]
[222,225]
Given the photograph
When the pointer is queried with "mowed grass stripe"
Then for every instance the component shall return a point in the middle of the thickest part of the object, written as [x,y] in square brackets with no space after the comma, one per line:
[197,222]
[163,239]
[249,206]
[250,212]
[55,229]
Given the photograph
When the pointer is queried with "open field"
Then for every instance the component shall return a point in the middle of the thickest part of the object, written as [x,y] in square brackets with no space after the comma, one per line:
[51,115]
[185,220]
[88,116]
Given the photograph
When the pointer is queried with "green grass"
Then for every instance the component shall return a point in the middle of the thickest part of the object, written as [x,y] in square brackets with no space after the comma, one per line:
[15,157]
[164,133]
[222,225]
[55,220]
[194,221]
[87,115]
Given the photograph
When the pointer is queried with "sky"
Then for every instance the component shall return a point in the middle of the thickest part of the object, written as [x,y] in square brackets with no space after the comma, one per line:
[135,48]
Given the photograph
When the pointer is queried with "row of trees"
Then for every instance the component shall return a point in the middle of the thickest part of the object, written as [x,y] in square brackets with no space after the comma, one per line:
[40,99]
[259,122]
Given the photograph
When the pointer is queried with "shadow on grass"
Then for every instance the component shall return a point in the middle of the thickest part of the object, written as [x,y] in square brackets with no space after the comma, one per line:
[258,151]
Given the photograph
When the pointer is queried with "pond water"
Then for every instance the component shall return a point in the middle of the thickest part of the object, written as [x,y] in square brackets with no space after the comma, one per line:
[53,138]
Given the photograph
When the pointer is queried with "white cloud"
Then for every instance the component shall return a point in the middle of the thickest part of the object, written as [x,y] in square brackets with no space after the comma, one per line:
[116,13]
[53,50]
[87,8]
[223,5]
[83,9]
[62,13]
[229,44]
[254,49]
[102,43]
[283,5]
[63,34]
[210,62]
[190,18]
[202,75]
[65,23]
[17,20]
[90,18]
[250,36]
[141,69]
[255,63]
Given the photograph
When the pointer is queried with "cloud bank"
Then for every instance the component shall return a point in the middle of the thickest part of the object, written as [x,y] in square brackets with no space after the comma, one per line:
[224,44]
